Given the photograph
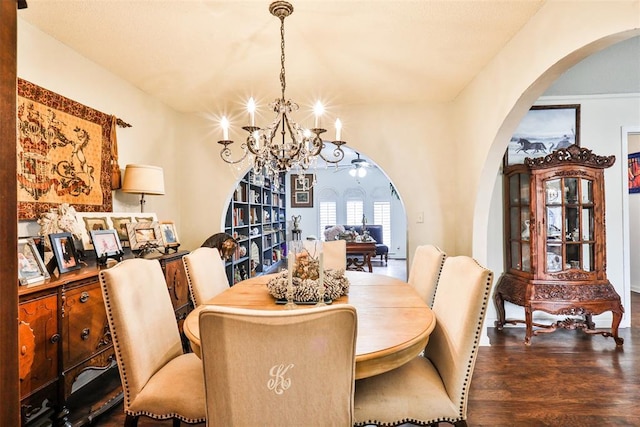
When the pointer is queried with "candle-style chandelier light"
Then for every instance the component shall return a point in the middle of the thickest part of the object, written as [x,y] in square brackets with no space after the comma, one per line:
[296,148]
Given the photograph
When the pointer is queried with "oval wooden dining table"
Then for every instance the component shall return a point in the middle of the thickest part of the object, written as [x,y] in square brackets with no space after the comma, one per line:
[394,323]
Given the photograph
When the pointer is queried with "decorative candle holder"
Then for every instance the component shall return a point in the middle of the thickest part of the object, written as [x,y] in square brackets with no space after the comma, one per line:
[314,248]
[294,247]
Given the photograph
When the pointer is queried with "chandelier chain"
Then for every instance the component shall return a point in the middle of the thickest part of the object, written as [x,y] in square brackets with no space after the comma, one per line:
[283,81]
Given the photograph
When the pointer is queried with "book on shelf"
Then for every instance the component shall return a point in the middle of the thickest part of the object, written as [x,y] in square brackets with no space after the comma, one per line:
[238,217]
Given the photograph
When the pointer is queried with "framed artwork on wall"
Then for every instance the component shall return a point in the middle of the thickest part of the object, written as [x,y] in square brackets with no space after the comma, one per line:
[633,166]
[302,190]
[545,129]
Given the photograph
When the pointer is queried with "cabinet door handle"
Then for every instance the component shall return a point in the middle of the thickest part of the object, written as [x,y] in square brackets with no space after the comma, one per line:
[84,297]
[54,338]
[85,334]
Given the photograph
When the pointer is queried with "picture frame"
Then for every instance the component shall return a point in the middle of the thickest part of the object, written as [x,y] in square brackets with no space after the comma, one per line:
[144,234]
[64,252]
[633,167]
[106,243]
[91,221]
[109,220]
[302,192]
[169,234]
[119,224]
[544,129]
[31,267]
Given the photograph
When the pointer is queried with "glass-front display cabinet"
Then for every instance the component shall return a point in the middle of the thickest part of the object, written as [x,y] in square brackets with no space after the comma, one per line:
[555,245]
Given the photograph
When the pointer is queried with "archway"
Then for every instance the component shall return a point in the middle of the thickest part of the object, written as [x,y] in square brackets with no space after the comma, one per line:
[488,232]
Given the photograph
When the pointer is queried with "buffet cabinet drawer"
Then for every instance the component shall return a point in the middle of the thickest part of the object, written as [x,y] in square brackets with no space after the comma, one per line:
[38,343]
[85,329]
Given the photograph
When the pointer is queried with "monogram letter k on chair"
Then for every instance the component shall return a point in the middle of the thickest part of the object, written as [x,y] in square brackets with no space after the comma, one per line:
[284,368]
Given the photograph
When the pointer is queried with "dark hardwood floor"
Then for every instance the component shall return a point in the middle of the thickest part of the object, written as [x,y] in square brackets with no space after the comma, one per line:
[564,379]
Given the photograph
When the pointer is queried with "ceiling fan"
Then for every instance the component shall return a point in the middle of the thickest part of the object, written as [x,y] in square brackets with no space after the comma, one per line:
[359,167]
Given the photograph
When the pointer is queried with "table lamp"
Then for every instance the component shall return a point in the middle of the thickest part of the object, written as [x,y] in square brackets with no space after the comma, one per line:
[143,179]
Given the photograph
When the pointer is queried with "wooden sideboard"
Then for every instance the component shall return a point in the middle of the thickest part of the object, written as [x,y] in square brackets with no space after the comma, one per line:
[68,371]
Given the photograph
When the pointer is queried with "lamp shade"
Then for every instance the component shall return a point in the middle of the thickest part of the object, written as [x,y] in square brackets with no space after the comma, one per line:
[143,179]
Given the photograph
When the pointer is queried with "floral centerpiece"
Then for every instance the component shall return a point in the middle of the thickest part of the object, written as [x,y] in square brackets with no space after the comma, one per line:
[305,275]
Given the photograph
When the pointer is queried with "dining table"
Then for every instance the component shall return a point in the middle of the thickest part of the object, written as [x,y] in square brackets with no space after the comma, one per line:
[394,322]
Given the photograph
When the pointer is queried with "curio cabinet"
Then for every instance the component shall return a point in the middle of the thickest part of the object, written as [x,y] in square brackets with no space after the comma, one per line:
[555,258]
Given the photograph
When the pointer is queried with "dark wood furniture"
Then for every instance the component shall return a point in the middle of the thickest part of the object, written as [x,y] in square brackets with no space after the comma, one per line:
[9,391]
[359,255]
[256,217]
[555,243]
[68,371]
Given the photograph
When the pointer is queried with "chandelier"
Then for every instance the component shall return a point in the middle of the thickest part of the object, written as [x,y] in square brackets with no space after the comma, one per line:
[284,144]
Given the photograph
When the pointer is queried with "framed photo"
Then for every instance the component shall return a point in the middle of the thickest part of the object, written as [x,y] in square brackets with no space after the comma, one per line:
[542,131]
[106,243]
[120,225]
[169,234]
[144,233]
[91,221]
[64,251]
[302,191]
[31,268]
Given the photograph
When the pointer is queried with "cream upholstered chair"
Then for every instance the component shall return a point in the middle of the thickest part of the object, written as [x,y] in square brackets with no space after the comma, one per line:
[279,367]
[335,254]
[158,380]
[425,270]
[205,274]
[434,388]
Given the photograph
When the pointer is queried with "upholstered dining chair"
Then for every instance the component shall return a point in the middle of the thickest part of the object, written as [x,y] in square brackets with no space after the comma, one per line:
[279,367]
[435,387]
[206,275]
[335,254]
[158,380]
[426,267]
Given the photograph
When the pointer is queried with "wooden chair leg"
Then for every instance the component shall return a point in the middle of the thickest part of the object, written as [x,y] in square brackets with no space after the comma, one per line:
[461,423]
[176,422]
[130,421]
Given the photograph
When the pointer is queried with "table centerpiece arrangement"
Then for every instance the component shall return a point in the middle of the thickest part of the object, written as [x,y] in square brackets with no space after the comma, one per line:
[305,281]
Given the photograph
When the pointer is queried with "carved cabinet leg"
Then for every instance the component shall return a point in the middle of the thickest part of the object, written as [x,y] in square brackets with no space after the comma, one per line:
[499,303]
[617,317]
[528,320]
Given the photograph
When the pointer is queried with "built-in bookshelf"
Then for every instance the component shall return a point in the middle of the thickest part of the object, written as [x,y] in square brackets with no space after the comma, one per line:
[256,217]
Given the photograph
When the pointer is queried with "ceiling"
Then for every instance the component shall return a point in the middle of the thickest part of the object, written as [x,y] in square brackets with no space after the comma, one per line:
[204,56]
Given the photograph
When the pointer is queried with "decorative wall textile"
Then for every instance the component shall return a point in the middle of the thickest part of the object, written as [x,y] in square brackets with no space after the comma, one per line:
[63,154]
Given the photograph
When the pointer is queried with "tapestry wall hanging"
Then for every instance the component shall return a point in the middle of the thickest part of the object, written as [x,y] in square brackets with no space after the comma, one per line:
[63,154]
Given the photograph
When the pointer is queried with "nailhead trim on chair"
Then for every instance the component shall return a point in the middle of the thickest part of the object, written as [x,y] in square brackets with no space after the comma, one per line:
[444,258]
[123,373]
[467,379]
[189,281]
